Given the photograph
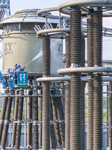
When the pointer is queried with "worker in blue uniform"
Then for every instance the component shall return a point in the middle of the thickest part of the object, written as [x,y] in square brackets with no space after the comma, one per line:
[15,67]
[20,69]
[15,73]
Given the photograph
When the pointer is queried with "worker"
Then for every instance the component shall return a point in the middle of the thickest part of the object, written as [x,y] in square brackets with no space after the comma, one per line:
[15,67]
[20,69]
[15,73]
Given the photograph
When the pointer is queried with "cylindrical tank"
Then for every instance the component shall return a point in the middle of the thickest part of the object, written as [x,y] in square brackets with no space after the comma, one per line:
[20,44]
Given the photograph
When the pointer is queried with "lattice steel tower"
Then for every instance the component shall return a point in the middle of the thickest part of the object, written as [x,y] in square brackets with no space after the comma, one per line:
[4,8]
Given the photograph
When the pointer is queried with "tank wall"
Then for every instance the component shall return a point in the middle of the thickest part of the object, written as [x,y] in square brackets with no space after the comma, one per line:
[22,48]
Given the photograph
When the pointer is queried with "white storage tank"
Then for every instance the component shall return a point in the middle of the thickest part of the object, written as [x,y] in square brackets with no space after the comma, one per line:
[20,44]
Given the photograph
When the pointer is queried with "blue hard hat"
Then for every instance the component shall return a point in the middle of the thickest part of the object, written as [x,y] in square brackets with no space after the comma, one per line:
[18,65]
[15,64]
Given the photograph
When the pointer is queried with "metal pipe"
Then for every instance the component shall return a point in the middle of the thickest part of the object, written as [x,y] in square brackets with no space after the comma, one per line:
[82,3]
[53,79]
[84,69]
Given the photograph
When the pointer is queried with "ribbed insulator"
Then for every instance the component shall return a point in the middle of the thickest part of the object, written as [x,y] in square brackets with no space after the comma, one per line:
[67,51]
[97,19]
[82,116]
[90,58]
[7,117]
[90,113]
[60,114]
[110,117]
[75,112]
[45,117]
[35,118]
[15,118]
[52,131]
[19,118]
[75,32]
[82,99]
[3,113]
[30,117]
[82,54]
[55,117]
[67,116]
[97,138]
[107,114]
[40,124]
[46,56]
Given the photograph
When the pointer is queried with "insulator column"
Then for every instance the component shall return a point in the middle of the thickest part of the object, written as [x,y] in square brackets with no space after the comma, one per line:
[67,97]
[52,132]
[82,99]
[67,116]
[15,118]
[30,117]
[110,117]
[35,119]
[40,118]
[90,61]
[3,113]
[60,114]
[97,135]
[67,50]
[75,31]
[55,117]
[46,94]
[19,119]
[7,118]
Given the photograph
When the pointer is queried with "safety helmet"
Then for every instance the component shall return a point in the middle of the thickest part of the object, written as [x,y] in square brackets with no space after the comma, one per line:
[15,64]
[19,66]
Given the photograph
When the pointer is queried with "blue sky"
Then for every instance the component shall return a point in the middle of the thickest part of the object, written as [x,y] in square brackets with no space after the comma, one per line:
[32,4]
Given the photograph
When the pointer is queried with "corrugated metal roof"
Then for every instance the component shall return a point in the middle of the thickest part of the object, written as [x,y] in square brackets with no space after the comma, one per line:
[26,16]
